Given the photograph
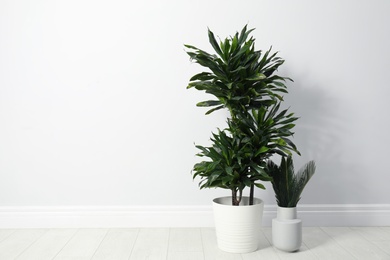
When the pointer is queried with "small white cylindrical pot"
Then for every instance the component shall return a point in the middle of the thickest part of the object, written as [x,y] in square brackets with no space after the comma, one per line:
[287,230]
[238,227]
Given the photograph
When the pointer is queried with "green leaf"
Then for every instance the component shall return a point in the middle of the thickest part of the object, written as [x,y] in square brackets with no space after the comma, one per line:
[214,43]
[259,185]
[229,170]
[234,44]
[263,149]
[190,47]
[258,76]
[202,76]
[214,109]
[226,49]
[209,103]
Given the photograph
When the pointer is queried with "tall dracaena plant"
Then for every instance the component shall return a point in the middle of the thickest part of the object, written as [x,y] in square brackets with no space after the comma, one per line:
[242,80]
[240,77]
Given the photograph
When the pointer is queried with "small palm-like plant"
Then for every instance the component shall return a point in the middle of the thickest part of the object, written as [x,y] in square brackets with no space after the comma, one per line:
[287,184]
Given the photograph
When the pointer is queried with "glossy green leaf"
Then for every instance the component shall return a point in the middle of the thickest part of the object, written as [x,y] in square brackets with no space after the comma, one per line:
[209,103]
[263,149]
[258,76]
[260,186]
[214,109]
[214,43]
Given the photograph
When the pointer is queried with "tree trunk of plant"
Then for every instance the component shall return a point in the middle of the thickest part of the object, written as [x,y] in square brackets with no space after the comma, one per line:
[234,198]
[251,194]
[236,201]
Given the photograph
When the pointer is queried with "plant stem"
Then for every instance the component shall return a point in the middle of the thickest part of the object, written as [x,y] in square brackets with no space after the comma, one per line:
[235,201]
[234,197]
[251,194]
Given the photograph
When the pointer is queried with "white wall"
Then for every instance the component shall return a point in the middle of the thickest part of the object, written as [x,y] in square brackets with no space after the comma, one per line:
[94,108]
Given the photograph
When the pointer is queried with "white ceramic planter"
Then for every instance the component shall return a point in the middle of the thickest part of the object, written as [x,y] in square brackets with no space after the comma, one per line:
[238,227]
[287,230]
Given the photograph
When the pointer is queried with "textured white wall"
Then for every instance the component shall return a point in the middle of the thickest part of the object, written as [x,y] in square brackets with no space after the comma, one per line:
[94,110]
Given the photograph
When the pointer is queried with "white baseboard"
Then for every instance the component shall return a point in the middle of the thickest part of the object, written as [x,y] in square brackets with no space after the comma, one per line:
[346,215]
[181,216]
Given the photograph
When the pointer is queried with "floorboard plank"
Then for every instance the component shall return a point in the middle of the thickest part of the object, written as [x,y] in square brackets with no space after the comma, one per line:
[355,244]
[19,241]
[117,244]
[4,233]
[372,233]
[151,244]
[83,245]
[265,249]
[185,256]
[323,246]
[377,236]
[185,240]
[386,229]
[48,245]
[210,247]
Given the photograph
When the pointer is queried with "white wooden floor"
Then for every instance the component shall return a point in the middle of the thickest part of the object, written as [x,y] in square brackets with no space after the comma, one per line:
[331,243]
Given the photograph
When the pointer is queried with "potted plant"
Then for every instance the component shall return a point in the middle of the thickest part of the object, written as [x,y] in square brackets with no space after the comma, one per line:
[243,81]
[288,187]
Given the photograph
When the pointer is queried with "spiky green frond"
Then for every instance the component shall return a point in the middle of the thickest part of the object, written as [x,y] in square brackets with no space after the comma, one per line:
[287,184]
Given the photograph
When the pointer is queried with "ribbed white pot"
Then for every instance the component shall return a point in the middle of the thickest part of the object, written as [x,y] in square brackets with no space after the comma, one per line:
[238,227]
[287,230]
